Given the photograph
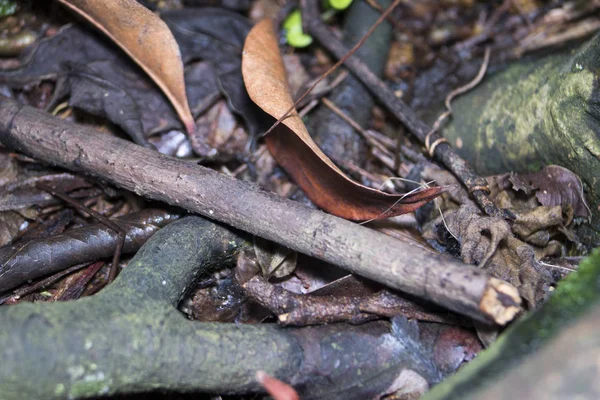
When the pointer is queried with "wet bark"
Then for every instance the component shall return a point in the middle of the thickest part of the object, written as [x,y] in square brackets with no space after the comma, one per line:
[36,258]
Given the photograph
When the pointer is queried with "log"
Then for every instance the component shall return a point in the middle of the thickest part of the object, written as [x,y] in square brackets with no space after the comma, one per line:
[536,113]
[538,355]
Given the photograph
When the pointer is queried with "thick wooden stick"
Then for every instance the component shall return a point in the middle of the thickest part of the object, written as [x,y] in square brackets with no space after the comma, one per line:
[442,280]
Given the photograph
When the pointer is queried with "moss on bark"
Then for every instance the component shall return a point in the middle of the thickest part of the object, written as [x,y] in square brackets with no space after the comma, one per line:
[131,338]
[576,296]
[533,114]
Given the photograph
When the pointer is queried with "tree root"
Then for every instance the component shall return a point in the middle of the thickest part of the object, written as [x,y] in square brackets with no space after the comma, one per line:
[131,338]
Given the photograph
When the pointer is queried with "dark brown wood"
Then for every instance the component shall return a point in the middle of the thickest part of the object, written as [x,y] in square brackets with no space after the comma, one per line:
[399,265]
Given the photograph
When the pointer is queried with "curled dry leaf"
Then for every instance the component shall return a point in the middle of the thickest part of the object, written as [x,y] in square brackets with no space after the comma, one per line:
[147,40]
[292,147]
[553,186]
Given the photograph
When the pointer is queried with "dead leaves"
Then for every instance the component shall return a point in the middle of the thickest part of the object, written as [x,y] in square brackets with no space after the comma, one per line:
[544,205]
[147,40]
[292,147]
[553,186]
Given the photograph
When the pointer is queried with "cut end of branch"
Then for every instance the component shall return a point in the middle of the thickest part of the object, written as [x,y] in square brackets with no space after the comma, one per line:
[283,318]
[500,301]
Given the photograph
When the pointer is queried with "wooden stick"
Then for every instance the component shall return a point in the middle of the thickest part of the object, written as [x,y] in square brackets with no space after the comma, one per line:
[400,110]
[444,281]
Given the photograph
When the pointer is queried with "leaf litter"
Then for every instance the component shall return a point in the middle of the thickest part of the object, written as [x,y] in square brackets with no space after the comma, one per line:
[487,242]
[147,40]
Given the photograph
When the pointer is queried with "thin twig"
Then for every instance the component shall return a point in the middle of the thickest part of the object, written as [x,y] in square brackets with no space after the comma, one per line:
[336,65]
[101,218]
[475,184]
[340,113]
[44,283]
[463,89]
[325,91]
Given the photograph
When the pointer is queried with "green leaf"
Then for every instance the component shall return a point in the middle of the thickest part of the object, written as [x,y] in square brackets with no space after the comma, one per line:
[7,7]
[294,34]
[340,4]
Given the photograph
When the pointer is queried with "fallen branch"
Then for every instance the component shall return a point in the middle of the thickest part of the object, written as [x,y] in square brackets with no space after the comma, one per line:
[435,143]
[308,309]
[439,279]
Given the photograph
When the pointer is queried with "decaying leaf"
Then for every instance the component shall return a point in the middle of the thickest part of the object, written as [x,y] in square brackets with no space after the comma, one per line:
[147,40]
[508,252]
[553,186]
[103,81]
[292,147]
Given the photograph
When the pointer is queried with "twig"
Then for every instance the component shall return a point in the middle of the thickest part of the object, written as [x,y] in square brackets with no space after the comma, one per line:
[44,283]
[476,185]
[577,32]
[36,258]
[340,113]
[457,92]
[336,65]
[378,149]
[101,218]
[298,310]
[322,93]
[439,279]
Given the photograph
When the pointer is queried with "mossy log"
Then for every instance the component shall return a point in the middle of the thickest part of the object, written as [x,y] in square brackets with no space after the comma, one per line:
[535,113]
[519,365]
[131,338]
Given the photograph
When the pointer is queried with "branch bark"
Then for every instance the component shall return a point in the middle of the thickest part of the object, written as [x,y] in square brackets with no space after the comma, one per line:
[442,280]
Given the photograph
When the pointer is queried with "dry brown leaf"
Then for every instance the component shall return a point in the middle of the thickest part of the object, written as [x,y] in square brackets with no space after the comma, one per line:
[293,148]
[553,186]
[147,40]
